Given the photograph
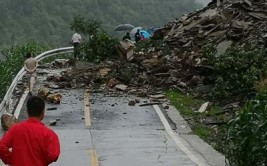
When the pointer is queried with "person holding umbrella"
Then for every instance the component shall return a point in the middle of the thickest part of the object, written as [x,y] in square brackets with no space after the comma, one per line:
[124,28]
[137,36]
[127,36]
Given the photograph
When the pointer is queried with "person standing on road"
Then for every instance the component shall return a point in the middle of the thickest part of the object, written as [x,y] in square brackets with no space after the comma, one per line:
[30,66]
[76,40]
[30,143]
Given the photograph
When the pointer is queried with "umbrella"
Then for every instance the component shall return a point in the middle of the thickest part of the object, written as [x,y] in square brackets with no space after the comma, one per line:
[133,32]
[145,34]
[124,27]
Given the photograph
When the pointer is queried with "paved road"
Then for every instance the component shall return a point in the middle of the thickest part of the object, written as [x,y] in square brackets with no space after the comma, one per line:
[127,135]
[97,129]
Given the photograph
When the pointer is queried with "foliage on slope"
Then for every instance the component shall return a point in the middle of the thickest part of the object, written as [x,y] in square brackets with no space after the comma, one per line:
[49,20]
[14,58]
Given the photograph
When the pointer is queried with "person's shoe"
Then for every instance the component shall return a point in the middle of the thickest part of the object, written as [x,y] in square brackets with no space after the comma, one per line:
[30,93]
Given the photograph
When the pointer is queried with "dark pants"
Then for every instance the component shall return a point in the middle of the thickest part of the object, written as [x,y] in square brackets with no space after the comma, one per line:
[76,49]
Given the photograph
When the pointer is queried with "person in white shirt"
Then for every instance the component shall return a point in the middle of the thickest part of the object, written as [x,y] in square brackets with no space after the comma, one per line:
[76,40]
[30,66]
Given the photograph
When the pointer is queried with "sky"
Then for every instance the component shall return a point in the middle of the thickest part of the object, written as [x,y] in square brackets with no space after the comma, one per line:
[203,2]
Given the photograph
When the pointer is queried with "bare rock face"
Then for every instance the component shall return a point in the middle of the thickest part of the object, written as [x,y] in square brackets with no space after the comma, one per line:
[7,120]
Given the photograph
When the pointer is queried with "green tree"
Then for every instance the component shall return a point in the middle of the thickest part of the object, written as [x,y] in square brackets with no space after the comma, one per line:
[98,45]
[48,20]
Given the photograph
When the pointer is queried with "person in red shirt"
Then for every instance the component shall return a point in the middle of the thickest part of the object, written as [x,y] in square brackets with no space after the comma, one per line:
[30,143]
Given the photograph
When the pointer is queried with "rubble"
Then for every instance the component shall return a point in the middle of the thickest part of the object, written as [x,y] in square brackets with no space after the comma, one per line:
[131,103]
[166,107]
[222,24]
[43,71]
[160,96]
[204,107]
[7,120]
[121,87]
[54,98]
[49,96]
[178,61]
[111,83]
[53,123]
[43,92]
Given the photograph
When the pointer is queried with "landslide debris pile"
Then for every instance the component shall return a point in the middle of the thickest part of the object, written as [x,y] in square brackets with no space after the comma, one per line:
[223,24]
[175,58]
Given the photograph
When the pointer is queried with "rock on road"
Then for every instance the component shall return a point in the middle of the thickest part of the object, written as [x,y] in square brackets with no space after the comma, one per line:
[98,129]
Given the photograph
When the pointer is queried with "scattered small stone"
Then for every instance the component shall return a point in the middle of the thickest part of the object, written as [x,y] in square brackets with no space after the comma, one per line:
[44,71]
[131,103]
[121,87]
[53,122]
[137,101]
[104,71]
[204,107]
[54,86]
[124,113]
[43,92]
[50,109]
[142,94]
[160,96]
[166,107]
[54,98]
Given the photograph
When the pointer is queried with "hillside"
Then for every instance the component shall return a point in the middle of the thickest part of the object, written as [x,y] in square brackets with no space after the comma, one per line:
[48,20]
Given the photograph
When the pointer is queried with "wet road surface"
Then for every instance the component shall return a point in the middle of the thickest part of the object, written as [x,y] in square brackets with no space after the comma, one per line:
[131,135]
[97,129]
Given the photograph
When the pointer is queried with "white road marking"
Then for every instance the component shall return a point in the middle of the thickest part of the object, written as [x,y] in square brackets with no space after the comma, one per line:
[177,139]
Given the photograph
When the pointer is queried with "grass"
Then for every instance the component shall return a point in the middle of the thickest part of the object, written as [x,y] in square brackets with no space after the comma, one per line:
[13,61]
[188,108]
[202,132]
[186,105]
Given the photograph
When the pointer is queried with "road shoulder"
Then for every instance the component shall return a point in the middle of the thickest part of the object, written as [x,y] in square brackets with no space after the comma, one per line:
[195,144]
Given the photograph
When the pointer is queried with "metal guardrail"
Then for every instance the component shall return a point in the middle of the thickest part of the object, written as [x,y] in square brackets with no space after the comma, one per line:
[4,106]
